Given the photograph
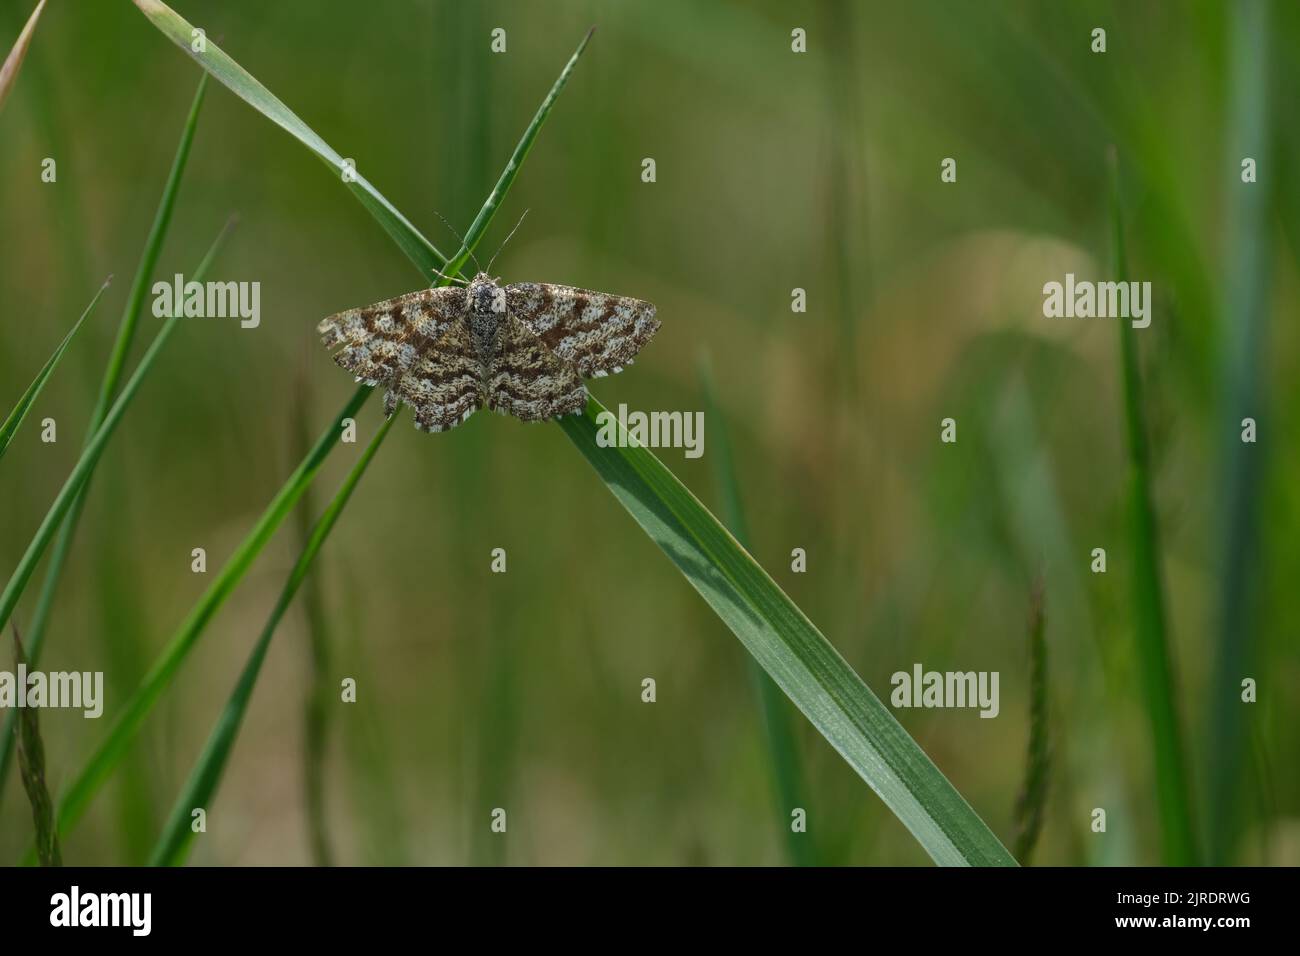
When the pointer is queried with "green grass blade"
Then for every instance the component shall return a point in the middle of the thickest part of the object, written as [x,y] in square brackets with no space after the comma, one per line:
[86,463]
[132,715]
[148,261]
[802,662]
[1246,308]
[31,763]
[238,80]
[318,698]
[90,456]
[107,389]
[1155,670]
[783,752]
[126,725]
[409,239]
[117,361]
[206,775]
[28,398]
[9,69]
[485,214]
[791,650]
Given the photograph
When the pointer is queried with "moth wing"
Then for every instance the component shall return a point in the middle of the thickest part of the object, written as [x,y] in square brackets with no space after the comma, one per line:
[381,341]
[528,380]
[592,332]
[443,384]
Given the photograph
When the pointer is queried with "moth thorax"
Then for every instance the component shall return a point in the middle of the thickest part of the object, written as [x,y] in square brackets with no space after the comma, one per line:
[487,311]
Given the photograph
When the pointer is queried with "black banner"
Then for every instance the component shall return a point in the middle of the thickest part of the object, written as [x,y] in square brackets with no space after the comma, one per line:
[234,905]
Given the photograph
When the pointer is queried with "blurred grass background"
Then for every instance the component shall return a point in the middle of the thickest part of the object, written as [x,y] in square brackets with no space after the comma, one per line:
[775,171]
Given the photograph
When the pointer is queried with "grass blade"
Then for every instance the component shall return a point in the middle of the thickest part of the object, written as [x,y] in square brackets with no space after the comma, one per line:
[240,82]
[148,259]
[31,764]
[1249,231]
[107,389]
[800,659]
[89,457]
[790,649]
[1173,805]
[124,728]
[9,71]
[128,721]
[317,703]
[783,752]
[1032,801]
[493,202]
[855,722]
[28,398]
[206,775]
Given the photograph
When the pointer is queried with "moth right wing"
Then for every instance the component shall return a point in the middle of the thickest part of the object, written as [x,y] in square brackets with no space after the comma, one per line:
[528,381]
[381,341]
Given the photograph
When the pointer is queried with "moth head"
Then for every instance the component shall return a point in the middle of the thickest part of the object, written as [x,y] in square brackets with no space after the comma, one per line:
[485,295]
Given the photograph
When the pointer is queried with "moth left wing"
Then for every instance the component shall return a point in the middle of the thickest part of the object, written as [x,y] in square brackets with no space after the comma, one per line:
[381,341]
[444,385]
[592,332]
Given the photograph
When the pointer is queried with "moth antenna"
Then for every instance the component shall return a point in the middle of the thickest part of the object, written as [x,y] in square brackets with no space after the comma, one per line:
[504,241]
[463,244]
[461,279]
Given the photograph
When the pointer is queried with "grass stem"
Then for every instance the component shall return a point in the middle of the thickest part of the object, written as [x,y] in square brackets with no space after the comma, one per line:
[1178,845]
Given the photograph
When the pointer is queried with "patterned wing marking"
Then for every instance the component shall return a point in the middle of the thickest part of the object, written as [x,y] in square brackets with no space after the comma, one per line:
[528,381]
[381,341]
[593,332]
[443,385]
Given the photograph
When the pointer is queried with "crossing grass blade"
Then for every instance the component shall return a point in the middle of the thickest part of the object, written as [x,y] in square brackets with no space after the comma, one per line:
[489,208]
[90,456]
[9,69]
[240,82]
[409,239]
[132,715]
[174,841]
[789,648]
[773,629]
[1178,843]
[28,398]
[85,464]
[199,789]
[127,724]
[108,386]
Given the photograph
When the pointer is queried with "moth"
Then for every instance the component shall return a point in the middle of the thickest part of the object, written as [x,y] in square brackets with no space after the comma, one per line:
[521,349]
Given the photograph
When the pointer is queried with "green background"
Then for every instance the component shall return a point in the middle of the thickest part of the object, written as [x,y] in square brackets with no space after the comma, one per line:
[775,170]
